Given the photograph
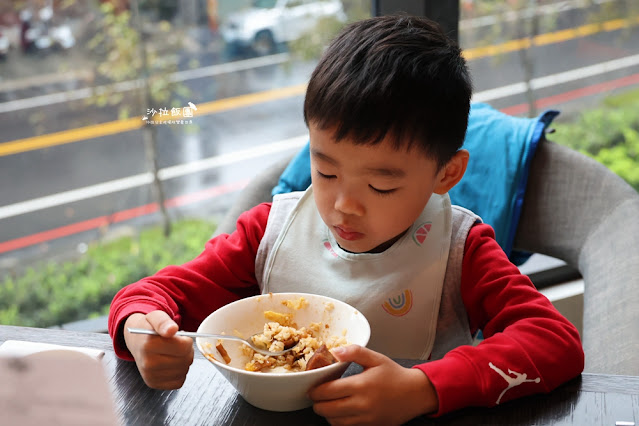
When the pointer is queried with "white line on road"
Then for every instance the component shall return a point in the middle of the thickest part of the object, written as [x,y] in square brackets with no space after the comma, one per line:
[142,179]
[231,67]
[232,157]
[254,152]
[555,79]
[74,195]
[78,94]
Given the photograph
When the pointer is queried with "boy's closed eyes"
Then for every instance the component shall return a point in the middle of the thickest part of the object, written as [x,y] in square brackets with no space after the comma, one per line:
[371,186]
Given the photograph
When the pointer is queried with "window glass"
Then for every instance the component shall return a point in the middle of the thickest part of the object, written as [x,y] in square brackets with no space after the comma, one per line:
[580,58]
[110,109]
[530,55]
[119,116]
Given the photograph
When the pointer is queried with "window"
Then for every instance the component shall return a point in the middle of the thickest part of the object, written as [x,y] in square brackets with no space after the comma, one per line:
[105,111]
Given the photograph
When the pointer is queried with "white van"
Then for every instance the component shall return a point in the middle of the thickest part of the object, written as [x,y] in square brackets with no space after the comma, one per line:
[270,22]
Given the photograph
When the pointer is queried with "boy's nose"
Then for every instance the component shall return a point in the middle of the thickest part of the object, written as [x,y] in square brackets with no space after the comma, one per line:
[348,203]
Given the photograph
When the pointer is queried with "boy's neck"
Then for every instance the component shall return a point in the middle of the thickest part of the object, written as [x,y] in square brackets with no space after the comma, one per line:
[382,247]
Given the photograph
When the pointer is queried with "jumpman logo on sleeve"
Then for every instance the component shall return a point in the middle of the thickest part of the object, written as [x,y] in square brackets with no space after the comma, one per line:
[517,380]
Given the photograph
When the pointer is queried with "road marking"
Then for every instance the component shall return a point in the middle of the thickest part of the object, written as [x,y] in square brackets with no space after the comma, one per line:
[79,94]
[548,38]
[121,216]
[582,92]
[69,136]
[180,170]
[212,192]
[142,179]
[230,158]
[510,16]
[251,99]
[39,80]
[231,67]
[97,130]
[556,79]
[113,127]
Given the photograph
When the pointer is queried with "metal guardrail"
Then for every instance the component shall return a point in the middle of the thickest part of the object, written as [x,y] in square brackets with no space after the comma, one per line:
[95,325]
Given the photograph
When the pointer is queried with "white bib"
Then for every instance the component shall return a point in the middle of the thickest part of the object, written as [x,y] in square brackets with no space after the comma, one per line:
[399,291]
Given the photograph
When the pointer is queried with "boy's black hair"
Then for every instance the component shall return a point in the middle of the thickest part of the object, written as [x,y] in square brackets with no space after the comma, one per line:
[398,75]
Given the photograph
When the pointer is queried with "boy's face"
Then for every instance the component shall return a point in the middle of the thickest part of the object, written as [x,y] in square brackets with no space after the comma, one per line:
[368,196]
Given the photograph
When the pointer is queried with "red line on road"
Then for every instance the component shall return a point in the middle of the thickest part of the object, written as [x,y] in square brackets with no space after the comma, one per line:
[574,94]
[121,216]
[215,191]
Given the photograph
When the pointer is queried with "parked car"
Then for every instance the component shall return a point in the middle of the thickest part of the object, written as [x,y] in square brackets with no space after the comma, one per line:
[271,22]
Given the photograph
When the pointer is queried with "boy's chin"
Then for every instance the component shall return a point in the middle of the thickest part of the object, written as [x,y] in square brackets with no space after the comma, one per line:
[351,246]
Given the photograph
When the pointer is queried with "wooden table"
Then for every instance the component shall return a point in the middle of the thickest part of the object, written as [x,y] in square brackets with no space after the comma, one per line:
[208,399]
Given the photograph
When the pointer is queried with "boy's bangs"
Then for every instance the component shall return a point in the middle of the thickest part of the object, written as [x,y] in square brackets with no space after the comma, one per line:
[369,122]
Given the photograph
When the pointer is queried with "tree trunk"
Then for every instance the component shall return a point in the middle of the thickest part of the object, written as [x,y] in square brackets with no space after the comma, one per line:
[149,132]
[150,151]
[529,31]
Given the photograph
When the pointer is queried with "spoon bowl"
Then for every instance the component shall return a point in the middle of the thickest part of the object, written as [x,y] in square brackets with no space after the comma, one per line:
[248,342]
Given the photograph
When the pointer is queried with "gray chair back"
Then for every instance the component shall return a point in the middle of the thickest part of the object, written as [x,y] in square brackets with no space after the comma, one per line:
[578,211]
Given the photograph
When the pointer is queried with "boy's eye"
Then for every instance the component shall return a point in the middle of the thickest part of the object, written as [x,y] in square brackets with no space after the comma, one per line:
[322,175]
[383,191]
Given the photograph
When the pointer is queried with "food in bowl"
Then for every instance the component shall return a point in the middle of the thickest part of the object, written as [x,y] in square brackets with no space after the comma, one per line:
[277,337]
[280,389]
[282,333]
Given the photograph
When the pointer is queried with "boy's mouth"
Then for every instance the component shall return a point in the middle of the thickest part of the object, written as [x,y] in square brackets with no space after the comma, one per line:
[347,234]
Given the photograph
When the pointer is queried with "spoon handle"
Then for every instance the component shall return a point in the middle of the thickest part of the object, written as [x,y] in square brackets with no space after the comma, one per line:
[183,333]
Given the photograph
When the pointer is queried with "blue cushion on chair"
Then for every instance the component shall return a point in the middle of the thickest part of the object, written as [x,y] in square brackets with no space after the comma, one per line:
[501,148]
[297,175]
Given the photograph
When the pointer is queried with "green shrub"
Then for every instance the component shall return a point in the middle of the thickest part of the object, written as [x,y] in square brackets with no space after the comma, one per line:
[596,129]
[57,293]
[622,158]
[609,134]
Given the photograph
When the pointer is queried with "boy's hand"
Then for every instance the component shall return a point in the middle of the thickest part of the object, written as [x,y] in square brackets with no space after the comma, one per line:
[385,393]
[163,360]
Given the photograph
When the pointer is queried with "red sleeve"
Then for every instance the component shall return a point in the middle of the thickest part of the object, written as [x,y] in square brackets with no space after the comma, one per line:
[222,273]
[529,346]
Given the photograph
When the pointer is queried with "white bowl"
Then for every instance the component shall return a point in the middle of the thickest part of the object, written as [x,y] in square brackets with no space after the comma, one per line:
[279,391]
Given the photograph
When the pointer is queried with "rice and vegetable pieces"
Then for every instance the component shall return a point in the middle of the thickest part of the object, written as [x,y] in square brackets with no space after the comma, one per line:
[280,332]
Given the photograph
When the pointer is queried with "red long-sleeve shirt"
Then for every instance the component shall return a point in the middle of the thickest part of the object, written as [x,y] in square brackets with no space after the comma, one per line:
[529,346]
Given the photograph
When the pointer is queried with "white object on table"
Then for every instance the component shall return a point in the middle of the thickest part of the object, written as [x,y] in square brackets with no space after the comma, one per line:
[53,384]
[23,348]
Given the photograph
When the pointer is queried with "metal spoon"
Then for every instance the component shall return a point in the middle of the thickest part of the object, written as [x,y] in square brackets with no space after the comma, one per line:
[248,342]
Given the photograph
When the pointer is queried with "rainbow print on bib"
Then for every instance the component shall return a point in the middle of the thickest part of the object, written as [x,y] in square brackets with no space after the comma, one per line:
[400,305]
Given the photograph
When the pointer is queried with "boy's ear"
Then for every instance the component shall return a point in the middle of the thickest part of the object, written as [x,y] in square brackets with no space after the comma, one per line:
[452,172]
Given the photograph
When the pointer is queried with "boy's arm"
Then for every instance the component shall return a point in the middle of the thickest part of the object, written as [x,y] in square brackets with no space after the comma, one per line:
[222,273]
[529,346]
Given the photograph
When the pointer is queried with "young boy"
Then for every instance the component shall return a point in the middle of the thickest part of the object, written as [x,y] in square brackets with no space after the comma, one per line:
[386,108]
